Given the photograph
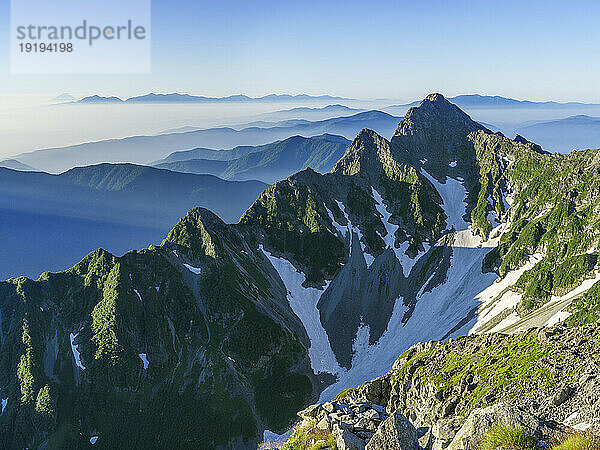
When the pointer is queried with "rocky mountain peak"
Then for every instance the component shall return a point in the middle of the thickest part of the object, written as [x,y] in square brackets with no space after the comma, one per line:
[436,134]
[435,97]
[193,233]
[521,140]
[436,114]
[366,155]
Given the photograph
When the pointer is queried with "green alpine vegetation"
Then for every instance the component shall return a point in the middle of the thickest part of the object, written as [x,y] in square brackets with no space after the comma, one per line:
[504,436]
[143,352]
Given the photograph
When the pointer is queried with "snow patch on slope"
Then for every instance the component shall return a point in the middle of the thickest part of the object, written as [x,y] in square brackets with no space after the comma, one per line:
[453,195]
[498,297]
[4,403]
[361,341]
[436,315]
[340,228]
[508,199]
[196,270]
[144,359]
[303,302]
[352,229]
[550,313]
[139,296]
[556,318]
[389,239]
[76,352]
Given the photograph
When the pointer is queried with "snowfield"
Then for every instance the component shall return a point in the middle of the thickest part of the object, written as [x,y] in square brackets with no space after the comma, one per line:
[341,230]
[437,315]
[303,302]
[453,195]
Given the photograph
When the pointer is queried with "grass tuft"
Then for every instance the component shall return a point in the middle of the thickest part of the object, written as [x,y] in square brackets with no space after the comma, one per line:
[345,393]
[507,437]
[310,438]
[578,443]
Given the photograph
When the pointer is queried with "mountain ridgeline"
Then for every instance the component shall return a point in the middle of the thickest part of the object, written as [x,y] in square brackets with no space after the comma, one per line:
[224,331]
[268,163]
[49,222]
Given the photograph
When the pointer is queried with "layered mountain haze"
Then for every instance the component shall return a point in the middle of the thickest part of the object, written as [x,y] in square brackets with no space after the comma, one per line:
[147,149]
[302,114]
[49,222]
[564,135]
[443,230]
[268,163]
[15,165]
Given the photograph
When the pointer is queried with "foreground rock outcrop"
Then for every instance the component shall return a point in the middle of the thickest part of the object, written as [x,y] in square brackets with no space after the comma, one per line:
[358,424]
[449,395]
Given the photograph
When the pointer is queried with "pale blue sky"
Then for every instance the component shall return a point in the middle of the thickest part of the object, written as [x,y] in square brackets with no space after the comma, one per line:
[394,49]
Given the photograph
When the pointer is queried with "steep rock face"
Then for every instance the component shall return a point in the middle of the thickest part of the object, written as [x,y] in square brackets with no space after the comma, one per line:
[436,131]
[362,227]
[441,139]
[359,300]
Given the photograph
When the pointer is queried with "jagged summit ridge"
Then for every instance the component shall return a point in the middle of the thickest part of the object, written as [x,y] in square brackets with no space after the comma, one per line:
[367,154]
[435,131]
[435,109]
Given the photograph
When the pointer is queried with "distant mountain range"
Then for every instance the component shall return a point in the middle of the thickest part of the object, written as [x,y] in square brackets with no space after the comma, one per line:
[15,165]
[268,163]
[326,112]
[496,101]
[564,135]
[187,98]
[146,149]
[63,98]
[285,117]
[465,100]
[49,222]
